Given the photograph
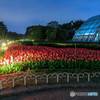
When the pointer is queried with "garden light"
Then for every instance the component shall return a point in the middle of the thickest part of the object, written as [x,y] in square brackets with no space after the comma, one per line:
[3,44]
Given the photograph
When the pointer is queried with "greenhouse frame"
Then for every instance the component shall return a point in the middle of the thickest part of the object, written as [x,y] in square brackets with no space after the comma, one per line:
[89,30]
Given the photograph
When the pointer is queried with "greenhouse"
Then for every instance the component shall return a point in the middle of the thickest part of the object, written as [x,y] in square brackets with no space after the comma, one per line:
[89,30]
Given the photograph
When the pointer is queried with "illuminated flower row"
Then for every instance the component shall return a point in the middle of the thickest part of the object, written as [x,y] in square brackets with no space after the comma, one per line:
[21,53]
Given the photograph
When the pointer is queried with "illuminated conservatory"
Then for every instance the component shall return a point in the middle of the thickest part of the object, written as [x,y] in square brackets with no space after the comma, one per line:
[89,30]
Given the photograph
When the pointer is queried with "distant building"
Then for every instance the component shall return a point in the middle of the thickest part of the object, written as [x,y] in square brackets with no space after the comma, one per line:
[89,30]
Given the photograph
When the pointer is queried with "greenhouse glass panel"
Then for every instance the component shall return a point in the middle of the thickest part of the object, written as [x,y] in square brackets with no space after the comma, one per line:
[97,25]
[92,25]
[89,30]
[97,37]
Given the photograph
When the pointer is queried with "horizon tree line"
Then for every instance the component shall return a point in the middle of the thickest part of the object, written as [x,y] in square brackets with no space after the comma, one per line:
[53,31]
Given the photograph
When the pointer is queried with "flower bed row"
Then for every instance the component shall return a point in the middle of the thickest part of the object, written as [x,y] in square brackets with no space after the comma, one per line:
[49,57]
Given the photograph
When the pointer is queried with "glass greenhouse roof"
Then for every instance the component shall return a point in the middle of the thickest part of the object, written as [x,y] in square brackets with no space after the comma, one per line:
[89,30]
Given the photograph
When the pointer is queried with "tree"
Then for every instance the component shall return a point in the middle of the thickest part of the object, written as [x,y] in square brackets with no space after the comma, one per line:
[3,32]
[53,31]
[29,32]
[35,32]
[5,35]
[50,30]
[53,24]
[14,36]
[77,24]
[61,34]
[71,27]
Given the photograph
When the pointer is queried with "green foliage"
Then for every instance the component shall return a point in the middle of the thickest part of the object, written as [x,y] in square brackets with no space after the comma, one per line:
[53,31]
[53,24]
[14,36]
[60,44]
[35,32]
[4,34]
[50,65]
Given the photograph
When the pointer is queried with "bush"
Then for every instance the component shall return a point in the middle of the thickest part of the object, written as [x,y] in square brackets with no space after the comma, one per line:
[61,45]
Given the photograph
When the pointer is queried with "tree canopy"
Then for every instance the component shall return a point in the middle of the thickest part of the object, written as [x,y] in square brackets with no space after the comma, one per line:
[53,31]
[3,31]
[4,34]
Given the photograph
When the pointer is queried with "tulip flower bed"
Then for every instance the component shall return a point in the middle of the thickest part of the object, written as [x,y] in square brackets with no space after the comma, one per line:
[20,57]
